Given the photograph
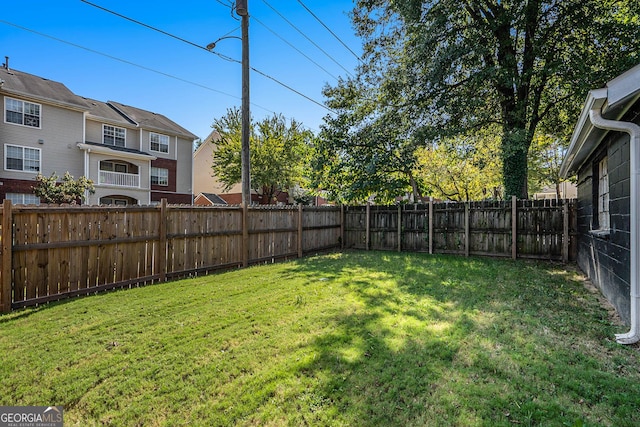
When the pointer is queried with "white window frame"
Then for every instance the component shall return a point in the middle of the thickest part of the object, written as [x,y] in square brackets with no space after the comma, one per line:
[23,198]
[23,107]
[115,166]
[114,201]
[6,149]
[158,142]
[603,194]
[114,130]
[155,174]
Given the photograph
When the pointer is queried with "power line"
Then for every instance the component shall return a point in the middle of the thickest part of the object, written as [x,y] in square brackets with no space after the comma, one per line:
[293,47]
[143,24]
[329,29]
[307,37]
[124,61]
[227,58]
[229,5]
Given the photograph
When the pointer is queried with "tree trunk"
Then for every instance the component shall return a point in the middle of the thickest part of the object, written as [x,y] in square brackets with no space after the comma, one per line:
[515,149]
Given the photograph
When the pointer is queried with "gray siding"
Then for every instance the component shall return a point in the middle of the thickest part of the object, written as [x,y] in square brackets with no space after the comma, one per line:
[94,134]
[61,130]
[606,258]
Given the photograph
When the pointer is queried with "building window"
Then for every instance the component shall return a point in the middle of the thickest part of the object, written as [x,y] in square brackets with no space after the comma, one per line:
[116,167]
[114,201]
[603,194]
[112,135]
[21,112]
[23,159]
[23,198]
[159,143]
[159,176]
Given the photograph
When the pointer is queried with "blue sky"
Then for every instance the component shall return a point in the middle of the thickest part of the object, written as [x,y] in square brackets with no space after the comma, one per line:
[202,86]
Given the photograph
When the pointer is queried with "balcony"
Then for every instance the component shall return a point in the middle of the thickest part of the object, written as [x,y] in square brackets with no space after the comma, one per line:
[119,179]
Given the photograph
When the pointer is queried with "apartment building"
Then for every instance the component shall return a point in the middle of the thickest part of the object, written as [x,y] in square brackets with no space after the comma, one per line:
[132,155]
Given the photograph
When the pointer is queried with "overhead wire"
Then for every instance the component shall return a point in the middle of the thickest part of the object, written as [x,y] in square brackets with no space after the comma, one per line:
[293,47]
[124,61]
[227,58]
[329,29]
[306,37]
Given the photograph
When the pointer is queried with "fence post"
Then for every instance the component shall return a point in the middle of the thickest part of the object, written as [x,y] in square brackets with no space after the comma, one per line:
[342,219]
[368,226]
[162,261]
[565,231]
[299,231]
[399,227]
[430,225]
[514,226]
[7,240]
[245,235]
[466,229]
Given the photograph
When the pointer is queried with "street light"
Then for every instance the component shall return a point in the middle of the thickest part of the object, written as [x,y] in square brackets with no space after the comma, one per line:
[212,45]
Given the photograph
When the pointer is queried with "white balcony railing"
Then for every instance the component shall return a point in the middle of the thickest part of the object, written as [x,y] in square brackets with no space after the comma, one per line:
[119,179]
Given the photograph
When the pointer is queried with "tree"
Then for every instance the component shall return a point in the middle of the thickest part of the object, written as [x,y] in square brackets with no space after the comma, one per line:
[278,153]
[546,155]
[452,67]
[361,152]
[67,191]
[463,168]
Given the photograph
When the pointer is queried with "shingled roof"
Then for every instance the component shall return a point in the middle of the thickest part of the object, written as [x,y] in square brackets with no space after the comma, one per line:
[103,110]
[153,121]
[38,88]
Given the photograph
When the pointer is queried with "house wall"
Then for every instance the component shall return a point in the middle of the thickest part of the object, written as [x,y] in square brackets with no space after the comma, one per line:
[184,156]
[606,258]
[203,179]
[94,133]
[60,130]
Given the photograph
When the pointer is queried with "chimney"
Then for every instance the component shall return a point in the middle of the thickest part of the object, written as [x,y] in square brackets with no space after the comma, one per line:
[6,63]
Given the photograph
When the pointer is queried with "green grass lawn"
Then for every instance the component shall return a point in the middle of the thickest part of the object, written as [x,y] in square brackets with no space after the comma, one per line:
[359,338]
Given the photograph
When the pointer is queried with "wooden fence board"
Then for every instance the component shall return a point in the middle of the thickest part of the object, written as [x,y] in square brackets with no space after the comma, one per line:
[54,252]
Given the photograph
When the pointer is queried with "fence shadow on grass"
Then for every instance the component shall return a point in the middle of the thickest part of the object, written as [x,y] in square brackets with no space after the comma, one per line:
[441,340]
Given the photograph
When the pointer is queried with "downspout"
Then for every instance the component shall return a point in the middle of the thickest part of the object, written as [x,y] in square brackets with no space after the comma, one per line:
[86,156]
[633,130]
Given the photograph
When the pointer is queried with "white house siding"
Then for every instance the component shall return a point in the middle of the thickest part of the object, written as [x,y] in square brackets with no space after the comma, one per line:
[94,133]
[60,131]
[146,145]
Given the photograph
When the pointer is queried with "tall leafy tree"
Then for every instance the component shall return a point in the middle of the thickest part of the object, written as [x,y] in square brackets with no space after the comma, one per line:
[462,168]
[362,152]
[546,156]
[455,66]
[279,151]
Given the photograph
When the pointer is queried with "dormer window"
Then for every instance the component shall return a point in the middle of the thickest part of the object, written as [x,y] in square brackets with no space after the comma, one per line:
[21,112]
[159,143]
[112,135]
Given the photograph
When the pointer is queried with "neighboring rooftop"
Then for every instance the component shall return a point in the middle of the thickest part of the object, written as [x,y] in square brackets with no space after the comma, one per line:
[49,91]
[149,120]
[38,88]
[105,111]
[214,198]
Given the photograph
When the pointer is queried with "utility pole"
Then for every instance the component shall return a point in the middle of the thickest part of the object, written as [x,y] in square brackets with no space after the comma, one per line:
[242,10]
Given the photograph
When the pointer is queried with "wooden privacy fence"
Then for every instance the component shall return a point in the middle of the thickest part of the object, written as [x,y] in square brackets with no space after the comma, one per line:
[50,253]
[536,229]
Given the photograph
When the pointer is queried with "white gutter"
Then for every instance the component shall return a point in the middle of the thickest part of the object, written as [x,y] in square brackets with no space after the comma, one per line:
[633,130]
